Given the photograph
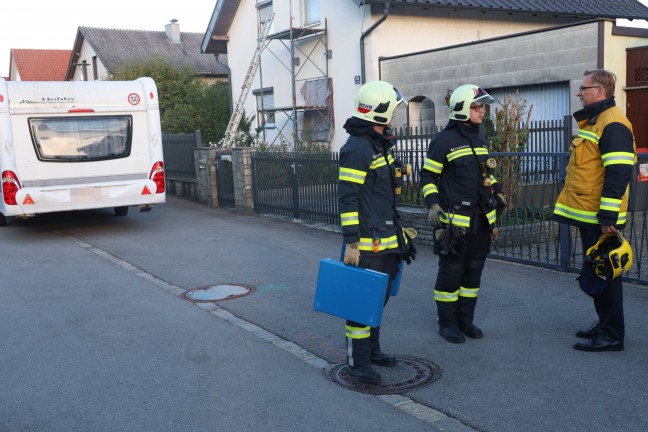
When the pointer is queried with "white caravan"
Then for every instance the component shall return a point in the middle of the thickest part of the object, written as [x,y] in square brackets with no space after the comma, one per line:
[79,145]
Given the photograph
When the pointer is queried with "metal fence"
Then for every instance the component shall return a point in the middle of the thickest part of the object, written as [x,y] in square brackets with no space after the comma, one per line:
[179,155]
[297,185]
[304,186]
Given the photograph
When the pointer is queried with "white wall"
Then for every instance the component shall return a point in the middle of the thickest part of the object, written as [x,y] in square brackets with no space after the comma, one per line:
[398,34]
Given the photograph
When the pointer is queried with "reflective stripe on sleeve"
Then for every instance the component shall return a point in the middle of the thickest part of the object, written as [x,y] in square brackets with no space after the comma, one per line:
[618,158]
[352,175]
[350,218]
[430,189]
[432,165]
[611,204]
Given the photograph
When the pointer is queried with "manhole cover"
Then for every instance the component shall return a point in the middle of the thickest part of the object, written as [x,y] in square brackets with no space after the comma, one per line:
[217,292]
[408,374]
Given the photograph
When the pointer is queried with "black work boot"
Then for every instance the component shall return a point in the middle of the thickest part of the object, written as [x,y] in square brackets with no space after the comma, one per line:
[448,327]
[365,374]
[452,334]
[471,331]
[377,356]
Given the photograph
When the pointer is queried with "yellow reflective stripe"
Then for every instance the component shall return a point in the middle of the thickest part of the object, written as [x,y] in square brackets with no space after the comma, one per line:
[481,151]
[492,216]
[622,218]
[352,175]
[459,153]
[432,165]
[618,158]
[459,220]
[443,296]
[493,180]
[367,243]
[584,216]
[378,163]
[589,135]
[358,332]
[429,189]
[350,218]
[572,213]
[610,204]
[468,292]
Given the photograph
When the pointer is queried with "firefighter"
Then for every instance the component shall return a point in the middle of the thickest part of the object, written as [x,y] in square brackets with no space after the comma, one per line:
[462,196]
[595,197]
[371,228]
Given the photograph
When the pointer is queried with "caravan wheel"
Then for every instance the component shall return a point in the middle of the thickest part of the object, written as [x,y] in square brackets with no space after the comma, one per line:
[121,211]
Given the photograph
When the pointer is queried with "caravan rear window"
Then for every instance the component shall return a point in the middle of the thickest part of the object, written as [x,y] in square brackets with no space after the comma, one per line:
[82,139]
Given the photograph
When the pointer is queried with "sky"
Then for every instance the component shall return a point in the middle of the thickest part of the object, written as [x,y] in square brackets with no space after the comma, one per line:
[52,24]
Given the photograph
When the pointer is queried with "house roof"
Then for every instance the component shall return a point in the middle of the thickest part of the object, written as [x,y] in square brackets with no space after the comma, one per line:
[215,39]
[114,47]
[628,9]
[40,64]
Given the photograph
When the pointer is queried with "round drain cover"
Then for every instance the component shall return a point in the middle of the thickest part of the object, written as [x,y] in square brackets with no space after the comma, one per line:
[408,374]
[217,293]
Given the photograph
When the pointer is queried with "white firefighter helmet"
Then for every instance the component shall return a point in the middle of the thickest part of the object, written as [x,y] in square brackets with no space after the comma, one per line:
[463,97]
[376,102]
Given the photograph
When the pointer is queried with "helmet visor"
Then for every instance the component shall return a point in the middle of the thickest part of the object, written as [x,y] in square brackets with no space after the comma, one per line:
[399,97]
[482,97]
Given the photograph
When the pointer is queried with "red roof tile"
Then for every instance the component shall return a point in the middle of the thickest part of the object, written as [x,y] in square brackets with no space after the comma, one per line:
[41,64]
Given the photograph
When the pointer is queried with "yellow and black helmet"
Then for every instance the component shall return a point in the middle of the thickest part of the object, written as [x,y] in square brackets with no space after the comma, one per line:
[610,256]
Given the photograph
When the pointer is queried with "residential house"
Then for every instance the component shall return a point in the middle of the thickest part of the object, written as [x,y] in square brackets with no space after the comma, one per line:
[38,64]
[318,53]
[99,51]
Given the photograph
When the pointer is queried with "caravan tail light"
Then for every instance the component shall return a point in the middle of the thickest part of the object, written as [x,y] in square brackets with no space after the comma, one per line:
[157,175]
[10,186]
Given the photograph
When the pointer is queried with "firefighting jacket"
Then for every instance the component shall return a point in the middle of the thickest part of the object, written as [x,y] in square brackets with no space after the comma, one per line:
[366,199]
[455,176]
[599,170]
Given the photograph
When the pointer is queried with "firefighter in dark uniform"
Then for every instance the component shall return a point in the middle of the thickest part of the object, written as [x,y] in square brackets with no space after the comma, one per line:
[371,229]
[462,196]
[595,197]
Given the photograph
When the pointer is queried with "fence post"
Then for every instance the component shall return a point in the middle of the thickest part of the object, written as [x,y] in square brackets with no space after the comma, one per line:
[242,167]
[564,235]
[205,163]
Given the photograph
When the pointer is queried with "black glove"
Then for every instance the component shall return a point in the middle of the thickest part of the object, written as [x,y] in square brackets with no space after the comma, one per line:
[410,254]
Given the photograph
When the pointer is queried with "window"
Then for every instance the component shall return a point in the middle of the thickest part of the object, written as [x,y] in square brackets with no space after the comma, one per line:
[420,113]
[81,139]
[265,107]
[265,12]
[311,12]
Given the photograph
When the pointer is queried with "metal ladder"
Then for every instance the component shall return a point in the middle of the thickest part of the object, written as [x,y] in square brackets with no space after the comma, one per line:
[237,112]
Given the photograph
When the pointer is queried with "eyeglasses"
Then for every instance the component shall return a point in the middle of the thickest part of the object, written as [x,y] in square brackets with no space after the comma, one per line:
[477,108]
[588,87]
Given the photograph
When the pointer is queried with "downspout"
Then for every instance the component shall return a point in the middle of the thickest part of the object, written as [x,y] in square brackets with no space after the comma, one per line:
[364,35]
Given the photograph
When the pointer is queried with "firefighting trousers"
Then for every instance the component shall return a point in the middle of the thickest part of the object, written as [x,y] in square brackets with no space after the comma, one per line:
[459,277]
[608,304]
[361,339]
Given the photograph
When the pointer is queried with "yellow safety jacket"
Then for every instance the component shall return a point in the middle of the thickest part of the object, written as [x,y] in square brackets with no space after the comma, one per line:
[599,170]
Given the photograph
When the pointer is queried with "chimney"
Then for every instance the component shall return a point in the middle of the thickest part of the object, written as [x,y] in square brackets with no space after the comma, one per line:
[172,31]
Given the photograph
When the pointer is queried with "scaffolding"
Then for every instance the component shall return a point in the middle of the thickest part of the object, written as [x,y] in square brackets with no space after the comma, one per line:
[302,52]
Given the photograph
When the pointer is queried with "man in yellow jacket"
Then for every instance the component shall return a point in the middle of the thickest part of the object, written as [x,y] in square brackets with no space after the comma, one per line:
[595,195]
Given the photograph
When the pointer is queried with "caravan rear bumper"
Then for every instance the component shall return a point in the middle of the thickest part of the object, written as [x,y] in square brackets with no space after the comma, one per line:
[35,200]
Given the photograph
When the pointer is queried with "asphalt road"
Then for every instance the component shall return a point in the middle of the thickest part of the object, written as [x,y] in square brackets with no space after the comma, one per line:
[95,336]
